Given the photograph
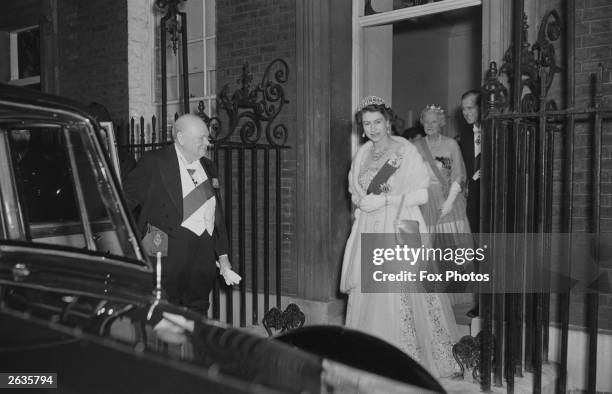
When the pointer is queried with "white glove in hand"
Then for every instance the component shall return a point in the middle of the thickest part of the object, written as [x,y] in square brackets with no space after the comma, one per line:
[476,175]
[372,202]
[231,278]
[417,197]
[447,205]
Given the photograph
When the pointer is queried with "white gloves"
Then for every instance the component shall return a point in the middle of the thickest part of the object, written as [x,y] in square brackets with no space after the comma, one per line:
[447,205]
[231,278]
[417,197]
[372,202]
[476,175]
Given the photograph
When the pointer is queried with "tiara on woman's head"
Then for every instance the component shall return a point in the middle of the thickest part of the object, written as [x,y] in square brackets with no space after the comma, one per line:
[371,100]
[433,108]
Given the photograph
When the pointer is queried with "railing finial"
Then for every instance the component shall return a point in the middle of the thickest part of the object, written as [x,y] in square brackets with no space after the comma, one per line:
[495,93]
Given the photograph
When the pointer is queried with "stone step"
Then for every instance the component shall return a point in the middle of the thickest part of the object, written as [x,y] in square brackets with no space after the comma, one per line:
[469,326]
[521,385]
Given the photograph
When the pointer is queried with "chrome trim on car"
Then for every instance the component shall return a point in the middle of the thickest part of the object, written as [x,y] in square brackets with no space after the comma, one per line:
[20,272]
[91,245]
[52,250]
[8,194]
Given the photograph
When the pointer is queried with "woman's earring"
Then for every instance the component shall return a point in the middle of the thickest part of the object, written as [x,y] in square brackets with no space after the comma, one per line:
[363,135]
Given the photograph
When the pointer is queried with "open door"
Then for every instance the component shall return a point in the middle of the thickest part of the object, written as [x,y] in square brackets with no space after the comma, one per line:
[417,55]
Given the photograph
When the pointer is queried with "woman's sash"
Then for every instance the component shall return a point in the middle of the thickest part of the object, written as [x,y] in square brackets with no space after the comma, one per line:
[381,178]
[432,163]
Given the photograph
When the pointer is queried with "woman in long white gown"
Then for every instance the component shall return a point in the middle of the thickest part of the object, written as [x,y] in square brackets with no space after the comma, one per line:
[421,324]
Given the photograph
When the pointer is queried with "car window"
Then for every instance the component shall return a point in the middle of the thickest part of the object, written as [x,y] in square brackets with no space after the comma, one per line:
[65,189]
[45,186]
[109,230]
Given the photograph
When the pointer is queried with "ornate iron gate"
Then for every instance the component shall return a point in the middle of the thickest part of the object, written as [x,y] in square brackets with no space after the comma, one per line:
[248,153]
[528,150]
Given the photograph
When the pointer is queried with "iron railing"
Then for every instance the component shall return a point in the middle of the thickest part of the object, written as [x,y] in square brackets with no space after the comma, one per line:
[526,150]
[249,154]
[141,136]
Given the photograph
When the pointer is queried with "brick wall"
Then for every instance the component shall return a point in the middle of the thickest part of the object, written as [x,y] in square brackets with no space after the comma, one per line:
[92,38]
[593,47]
[258,32]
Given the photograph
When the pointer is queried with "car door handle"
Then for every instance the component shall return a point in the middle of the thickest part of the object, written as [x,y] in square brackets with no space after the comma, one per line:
[20,272]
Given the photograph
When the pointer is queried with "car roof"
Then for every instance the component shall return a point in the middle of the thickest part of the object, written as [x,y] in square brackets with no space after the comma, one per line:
[21,95]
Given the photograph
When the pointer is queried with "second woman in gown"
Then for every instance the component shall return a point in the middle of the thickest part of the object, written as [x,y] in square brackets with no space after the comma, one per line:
[384,169]
[445,210]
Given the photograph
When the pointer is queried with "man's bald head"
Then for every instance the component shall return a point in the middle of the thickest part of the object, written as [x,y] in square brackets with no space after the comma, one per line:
[191,135]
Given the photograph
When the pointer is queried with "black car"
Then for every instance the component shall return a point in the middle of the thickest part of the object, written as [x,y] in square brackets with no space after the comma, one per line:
[79,300]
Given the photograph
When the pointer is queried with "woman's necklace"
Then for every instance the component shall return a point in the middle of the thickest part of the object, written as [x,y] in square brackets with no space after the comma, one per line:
[433,141]
[377,155]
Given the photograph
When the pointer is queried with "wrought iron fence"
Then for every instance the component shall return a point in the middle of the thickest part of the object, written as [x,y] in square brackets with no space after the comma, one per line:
[249,154]
[526,151]
[142,136]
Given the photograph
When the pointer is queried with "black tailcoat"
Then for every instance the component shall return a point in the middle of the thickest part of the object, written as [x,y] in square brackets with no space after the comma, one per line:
[472,164]
[154,186]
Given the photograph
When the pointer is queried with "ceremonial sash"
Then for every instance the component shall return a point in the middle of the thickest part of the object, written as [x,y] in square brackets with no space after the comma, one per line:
[426,153]
[381,177]
[196,198]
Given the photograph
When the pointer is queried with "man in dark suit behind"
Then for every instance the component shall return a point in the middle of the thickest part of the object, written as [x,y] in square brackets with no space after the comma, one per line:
[470,149]
[177,190]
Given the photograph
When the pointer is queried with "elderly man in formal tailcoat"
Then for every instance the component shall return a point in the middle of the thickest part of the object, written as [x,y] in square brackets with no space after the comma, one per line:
[176,189]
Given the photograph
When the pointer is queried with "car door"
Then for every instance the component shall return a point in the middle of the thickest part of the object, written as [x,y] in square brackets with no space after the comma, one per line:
[63,221]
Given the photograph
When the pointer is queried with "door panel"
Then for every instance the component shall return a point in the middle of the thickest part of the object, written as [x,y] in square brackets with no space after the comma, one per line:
[60,268]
